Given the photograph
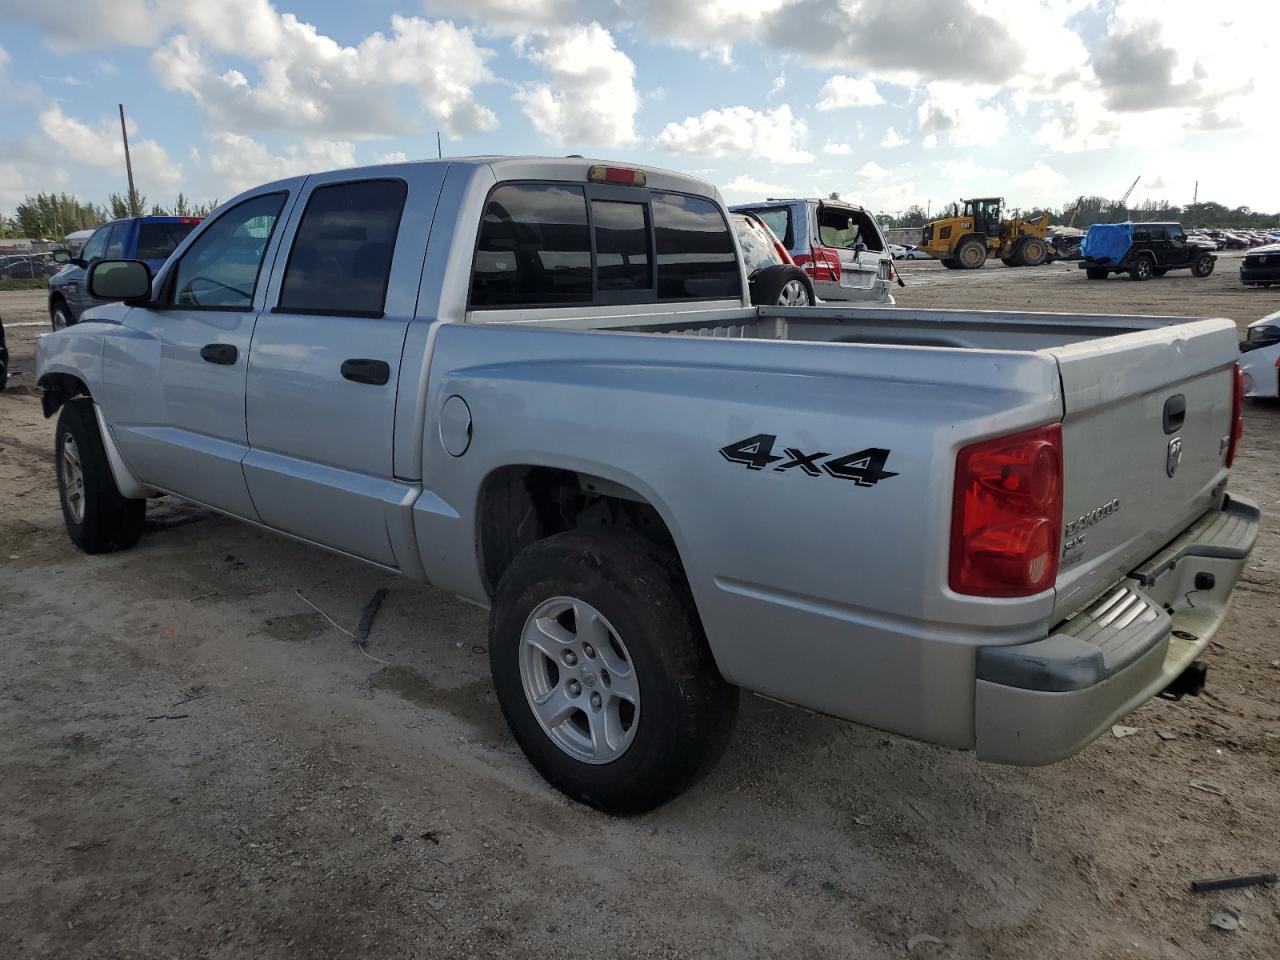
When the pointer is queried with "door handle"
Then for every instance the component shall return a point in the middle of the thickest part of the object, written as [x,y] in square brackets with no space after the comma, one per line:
[359,370]
[220,353]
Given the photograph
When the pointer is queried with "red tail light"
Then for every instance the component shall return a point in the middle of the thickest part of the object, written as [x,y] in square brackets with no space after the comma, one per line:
[1237,412]
[1006,517]
[823,263]
[190,219]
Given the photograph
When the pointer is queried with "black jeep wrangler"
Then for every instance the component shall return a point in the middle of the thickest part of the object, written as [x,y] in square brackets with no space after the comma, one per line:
[1143,250]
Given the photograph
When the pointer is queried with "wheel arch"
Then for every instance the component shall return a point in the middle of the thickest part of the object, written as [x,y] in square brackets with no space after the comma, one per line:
[519,504]
[59,386]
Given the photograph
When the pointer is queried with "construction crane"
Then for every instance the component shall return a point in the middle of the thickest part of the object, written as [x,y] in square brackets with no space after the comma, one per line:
[1120,204]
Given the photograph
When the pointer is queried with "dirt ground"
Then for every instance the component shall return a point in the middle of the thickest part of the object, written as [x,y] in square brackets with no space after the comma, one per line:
[196,764]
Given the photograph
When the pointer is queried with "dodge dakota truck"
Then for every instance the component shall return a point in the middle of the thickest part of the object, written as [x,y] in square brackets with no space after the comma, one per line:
[539,384]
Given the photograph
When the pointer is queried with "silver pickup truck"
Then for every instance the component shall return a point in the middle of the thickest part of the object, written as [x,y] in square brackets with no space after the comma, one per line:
[538,384]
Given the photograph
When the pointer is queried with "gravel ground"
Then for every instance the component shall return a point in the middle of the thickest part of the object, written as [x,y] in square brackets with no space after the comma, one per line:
[196,764]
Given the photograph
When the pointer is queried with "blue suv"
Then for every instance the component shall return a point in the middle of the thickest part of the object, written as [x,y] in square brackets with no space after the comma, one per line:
[149,239]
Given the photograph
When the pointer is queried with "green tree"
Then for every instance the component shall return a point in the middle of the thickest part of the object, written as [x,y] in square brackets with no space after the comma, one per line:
[52,216]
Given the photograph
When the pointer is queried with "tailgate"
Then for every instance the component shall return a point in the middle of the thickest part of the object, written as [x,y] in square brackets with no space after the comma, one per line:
[1146,420]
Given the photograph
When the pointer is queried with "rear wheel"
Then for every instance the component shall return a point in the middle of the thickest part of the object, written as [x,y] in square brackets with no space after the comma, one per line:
[1204,266]
[1142,269]
[949,263]
[98,518]
[1094,274]
[603,672]
[971,254]
[782,285]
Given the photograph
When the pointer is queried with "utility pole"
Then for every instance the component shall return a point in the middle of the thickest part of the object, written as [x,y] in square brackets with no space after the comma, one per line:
[1195,196]
[128,165]
[439,149]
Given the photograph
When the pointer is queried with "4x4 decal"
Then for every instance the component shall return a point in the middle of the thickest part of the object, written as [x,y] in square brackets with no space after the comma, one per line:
[865,468]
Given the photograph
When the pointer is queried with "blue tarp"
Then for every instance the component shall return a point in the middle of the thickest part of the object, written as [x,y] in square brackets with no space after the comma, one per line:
[1107,242]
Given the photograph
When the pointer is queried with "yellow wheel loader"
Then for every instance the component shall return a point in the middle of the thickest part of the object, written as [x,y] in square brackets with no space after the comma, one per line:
[974,230]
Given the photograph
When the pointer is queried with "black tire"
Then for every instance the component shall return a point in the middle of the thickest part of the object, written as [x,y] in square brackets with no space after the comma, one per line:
[949,263]
[107,521]
[687,710]
[60,314]
[770,285]
[1010,262]
[1203,266]
[971,254]
[1095,274]
[1031,252]
[1142,269]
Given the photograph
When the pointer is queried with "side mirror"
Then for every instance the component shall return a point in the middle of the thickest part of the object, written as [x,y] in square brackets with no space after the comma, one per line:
[62,256]
[120,280]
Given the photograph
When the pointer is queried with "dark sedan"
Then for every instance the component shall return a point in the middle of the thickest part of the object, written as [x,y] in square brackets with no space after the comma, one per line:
[1261,266]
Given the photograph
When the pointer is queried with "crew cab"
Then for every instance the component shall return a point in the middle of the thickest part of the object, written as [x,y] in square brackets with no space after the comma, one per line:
[838,244]
[149,239]
[539,384]
[1143,251]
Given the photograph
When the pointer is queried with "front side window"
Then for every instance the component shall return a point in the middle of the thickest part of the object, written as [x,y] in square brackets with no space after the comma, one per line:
[534,247]
[220,269]
[157,240]
[696,258]
[341,257]
[115,242]
[97,244]
[622,245]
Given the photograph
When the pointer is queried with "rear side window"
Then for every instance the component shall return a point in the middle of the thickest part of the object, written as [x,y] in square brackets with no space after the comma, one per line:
[341,256]
[622,245]
[757,246]
[1141,235]
[842,228]
[157,240]
[534,247]
[696,258]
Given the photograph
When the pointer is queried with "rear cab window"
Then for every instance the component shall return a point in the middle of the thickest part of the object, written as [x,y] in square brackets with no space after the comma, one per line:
[569,244]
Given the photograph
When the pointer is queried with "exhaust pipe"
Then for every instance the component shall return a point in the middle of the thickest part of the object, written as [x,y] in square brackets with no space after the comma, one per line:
[1190,682]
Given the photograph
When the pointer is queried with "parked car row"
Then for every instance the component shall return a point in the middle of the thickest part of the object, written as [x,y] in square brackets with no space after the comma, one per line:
[28,266]
[1236,239]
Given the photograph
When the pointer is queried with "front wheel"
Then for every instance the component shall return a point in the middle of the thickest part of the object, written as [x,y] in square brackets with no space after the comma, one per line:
[971,254]
[59,316]
[98,518]
[603,672]
[1203,266]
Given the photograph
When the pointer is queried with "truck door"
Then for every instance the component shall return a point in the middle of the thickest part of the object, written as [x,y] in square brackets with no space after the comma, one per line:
[175,390]
[320,401]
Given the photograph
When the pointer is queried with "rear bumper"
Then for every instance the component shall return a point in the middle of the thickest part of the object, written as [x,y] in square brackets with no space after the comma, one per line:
[1040,702]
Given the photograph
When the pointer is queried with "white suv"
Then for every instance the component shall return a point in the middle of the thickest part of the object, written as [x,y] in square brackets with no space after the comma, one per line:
[838,244]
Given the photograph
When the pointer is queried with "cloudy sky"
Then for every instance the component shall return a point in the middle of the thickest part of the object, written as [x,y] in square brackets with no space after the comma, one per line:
[890,102]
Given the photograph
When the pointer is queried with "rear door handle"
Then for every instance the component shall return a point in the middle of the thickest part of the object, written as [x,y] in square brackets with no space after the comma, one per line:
[220,353]
[359,370]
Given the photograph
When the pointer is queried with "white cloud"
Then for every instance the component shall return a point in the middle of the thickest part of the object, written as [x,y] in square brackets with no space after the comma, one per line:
[395,156]
[779,82]
[958,113]
[749,188]
[841,91]
[837,149]
[99,145]
[873,171]
[893,139]
[775,136]
[930,141]
[969,169]
[508,16]
[591,97]
[1039,175]
[308,82]
[243,162]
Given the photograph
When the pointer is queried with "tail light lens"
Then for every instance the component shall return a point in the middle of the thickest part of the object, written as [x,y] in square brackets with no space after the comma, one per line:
[822,263]
[1007,515]
[1237,412]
